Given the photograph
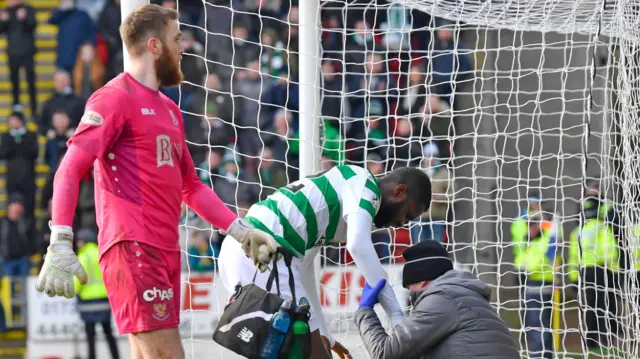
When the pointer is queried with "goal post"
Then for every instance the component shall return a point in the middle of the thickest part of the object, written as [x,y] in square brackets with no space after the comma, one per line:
[126,7]
[309,73]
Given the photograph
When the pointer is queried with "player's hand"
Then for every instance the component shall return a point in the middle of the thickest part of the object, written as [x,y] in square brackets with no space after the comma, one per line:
[343,353]
[257,245]
[60,265]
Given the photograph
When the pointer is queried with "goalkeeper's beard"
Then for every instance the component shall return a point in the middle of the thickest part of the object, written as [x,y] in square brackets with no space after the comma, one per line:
[168,70]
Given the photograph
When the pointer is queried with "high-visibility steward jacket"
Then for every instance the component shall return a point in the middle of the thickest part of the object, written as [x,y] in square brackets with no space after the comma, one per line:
[519,232]
[535,257]
[93,304]
[599,247]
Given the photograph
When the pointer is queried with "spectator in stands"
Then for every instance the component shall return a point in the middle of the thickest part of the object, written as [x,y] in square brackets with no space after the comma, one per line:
[16,238]
[18,21]
[220,16]
[277,139]
[271,173]
[332,108]
[431,224]
[373,138]
[414,97]
[397,27]
[75,27]
[183,17]
[64,99]
[88,73]
[358,43]
[202,252]
[406,145]
[57,138]
[193,64]
[109,29]
[19,147]
[279,93]
[332,35]
[209,170]
[93,303]
[234,186]
[245,49]
[292,41]
[272,57]
[451,61]
[249,88]
[264,14]
[370,86]
[91,7]
[215,127]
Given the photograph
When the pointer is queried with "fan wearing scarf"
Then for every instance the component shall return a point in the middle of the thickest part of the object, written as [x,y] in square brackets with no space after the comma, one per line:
[451,317]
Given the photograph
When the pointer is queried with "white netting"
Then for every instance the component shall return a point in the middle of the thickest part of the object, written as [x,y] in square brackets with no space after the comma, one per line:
[496,99]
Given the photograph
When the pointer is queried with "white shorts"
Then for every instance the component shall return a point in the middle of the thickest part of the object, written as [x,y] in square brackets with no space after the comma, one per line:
[235,267]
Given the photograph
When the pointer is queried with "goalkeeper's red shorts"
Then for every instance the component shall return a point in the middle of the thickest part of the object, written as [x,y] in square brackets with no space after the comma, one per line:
[143,285]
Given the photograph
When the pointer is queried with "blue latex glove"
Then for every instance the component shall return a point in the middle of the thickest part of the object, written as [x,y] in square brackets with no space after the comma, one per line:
[370,295]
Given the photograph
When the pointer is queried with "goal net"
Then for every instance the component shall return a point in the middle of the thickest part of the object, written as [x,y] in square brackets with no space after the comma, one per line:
[499,101]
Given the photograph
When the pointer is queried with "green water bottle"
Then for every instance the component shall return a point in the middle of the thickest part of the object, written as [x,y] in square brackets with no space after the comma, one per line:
[300,330]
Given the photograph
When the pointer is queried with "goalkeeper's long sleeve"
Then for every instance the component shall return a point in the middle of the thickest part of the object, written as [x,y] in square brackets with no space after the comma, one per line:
[66,185]
[201,198]
[360,246]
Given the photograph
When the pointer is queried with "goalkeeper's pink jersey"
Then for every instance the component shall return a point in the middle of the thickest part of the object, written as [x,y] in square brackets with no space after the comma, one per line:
[143,168]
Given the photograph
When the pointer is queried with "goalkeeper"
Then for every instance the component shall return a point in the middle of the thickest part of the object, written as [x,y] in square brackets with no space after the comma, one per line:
[336,204]
[133,136]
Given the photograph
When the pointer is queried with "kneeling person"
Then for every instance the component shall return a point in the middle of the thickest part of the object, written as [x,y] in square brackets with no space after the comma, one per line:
[338,204]
[451,317]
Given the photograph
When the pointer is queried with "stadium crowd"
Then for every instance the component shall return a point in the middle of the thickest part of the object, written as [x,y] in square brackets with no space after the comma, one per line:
[240,102]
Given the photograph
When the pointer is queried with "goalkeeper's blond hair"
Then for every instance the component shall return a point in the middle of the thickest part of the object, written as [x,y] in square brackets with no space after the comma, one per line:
[143,23]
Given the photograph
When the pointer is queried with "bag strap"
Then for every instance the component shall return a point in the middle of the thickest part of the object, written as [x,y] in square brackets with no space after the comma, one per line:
[273,276]
[287,255]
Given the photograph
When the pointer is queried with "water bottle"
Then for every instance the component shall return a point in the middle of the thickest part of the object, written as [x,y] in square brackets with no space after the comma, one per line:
[277,332]
[300,329]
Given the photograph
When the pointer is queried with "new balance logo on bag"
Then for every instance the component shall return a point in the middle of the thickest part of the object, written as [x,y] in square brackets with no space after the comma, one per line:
[245,335]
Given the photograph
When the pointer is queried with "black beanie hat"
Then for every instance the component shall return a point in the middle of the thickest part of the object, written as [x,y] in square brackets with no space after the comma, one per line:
[426,260]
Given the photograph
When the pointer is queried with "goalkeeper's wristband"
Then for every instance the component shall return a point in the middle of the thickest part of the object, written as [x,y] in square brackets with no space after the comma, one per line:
[61,233]
[61,237]
[239,229]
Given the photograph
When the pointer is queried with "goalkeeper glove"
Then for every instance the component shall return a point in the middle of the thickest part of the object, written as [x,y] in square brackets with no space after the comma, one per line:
[257,245]
[60,265]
